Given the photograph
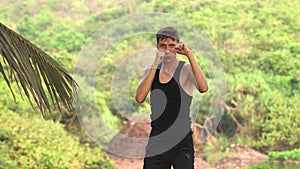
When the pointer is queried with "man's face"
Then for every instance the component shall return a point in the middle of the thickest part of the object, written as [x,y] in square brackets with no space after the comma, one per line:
[168,46]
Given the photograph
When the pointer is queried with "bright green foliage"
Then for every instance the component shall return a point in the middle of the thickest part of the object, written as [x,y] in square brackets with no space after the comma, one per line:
[275,156]
[8,103]
[258,43]
[48,36]
[267,117]
[271,166]
[285,155]
[31,142]
[280,125]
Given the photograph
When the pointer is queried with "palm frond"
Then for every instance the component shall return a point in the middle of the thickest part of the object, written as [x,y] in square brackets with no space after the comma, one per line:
[35,72]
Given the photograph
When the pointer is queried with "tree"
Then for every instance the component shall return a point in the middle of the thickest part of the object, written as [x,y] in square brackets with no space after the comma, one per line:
[36,73]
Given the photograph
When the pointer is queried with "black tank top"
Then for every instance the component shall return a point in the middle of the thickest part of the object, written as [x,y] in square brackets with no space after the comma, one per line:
[169,101]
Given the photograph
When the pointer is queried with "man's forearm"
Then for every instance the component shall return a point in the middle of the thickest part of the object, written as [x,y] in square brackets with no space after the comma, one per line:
[145,85]
[198,73]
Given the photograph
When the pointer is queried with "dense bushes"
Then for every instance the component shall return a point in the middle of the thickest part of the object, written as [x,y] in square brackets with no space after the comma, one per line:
[275,158]
[257,43]
[285,155]
[261,113]
[31,142]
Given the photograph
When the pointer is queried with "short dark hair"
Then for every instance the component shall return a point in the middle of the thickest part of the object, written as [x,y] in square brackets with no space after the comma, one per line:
[167,32]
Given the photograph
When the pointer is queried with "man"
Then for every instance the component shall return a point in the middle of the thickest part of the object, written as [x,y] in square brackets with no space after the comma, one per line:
[171,83]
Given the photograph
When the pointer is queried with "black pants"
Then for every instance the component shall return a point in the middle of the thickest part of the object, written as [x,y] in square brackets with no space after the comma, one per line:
[180,157]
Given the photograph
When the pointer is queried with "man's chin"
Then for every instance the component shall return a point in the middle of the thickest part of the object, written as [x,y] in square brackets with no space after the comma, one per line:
[169,58]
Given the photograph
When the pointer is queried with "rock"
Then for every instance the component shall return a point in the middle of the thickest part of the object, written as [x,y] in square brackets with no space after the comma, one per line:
[132,139]
[244,156]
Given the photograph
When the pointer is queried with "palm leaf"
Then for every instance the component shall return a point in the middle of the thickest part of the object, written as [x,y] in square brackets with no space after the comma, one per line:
[36,73]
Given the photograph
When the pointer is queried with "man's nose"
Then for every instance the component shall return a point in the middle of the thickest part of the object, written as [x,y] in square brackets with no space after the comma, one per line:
[167,50]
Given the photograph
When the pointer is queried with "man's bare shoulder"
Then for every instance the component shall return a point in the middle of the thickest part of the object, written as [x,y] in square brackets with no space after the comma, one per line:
[187,67]
[148,67]
[186,71]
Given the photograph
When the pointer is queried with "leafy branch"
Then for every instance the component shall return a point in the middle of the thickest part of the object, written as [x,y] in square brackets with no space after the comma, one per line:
[34,70]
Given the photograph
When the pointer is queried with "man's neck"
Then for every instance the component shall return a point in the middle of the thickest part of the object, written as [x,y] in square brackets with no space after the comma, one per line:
[170,67]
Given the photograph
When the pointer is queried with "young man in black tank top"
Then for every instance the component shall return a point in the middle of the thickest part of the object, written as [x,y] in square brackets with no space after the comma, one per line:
[171,83]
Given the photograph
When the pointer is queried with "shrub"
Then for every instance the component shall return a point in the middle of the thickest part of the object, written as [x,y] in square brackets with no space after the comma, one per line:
[31,142]
[285,155]
[274,156]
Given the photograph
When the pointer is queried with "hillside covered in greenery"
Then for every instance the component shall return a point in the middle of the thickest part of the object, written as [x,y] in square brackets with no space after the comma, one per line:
[257,42]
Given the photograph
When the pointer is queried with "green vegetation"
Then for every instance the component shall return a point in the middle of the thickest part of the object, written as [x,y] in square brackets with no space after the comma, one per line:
[275,160]
[258,43]
[270,165]
[28,141]
[285,155]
